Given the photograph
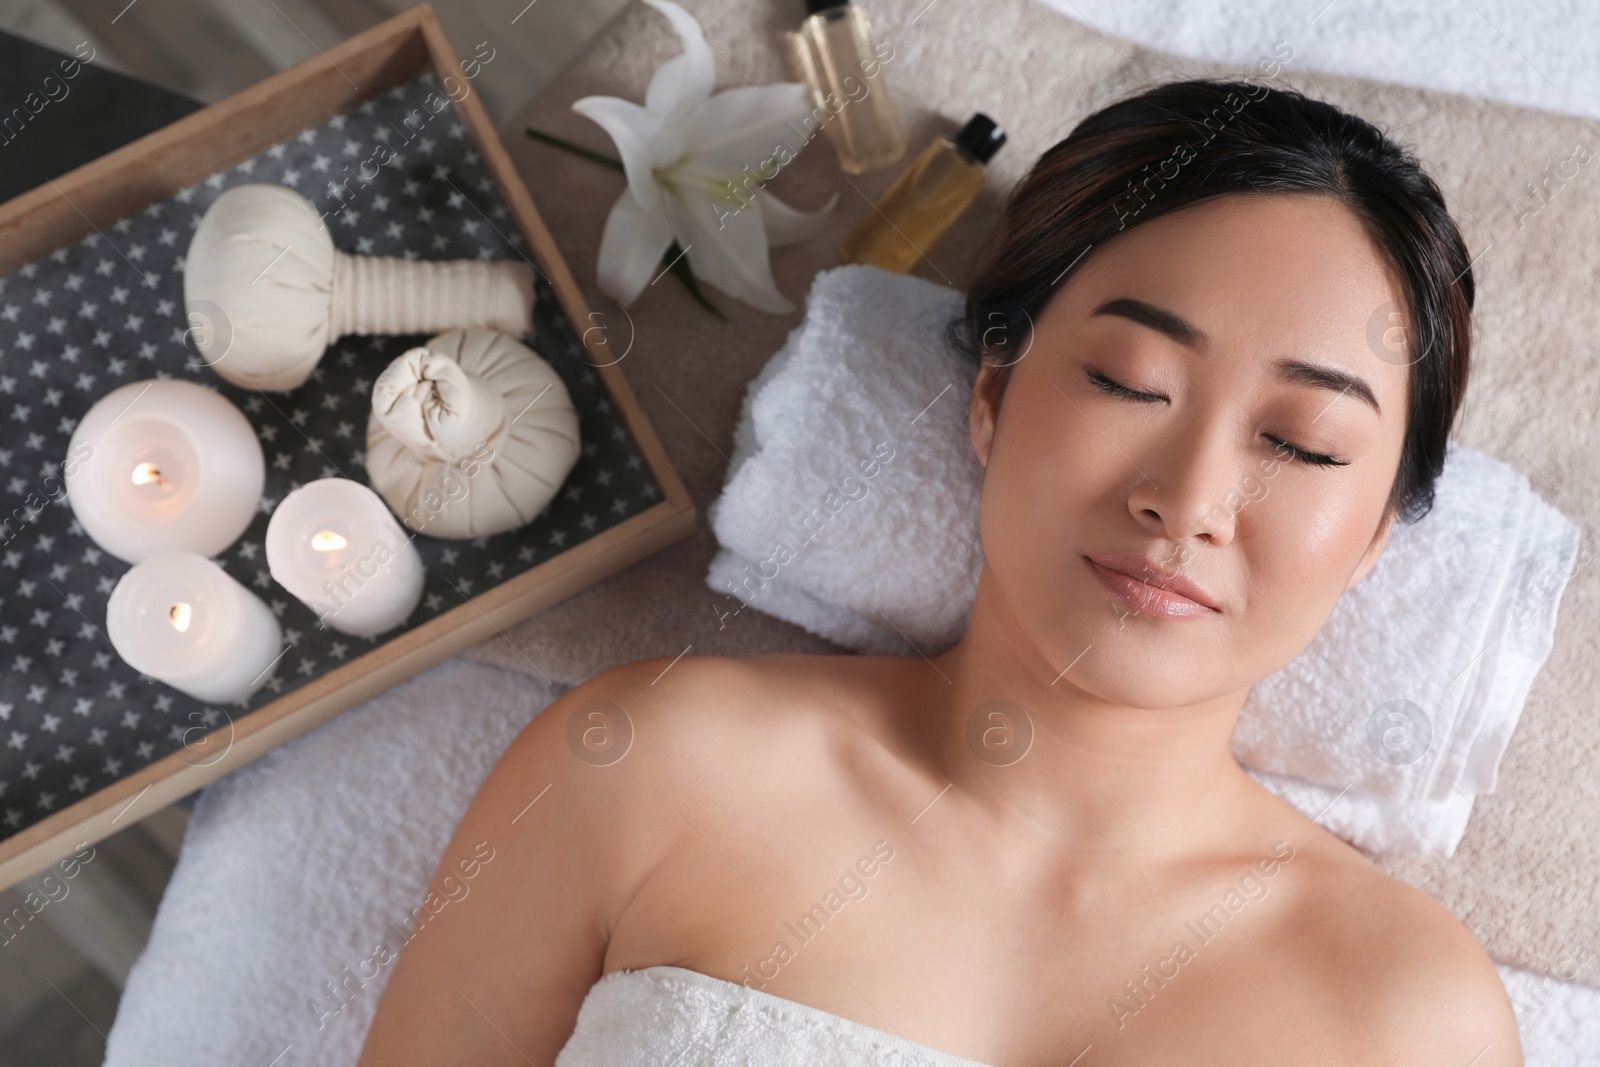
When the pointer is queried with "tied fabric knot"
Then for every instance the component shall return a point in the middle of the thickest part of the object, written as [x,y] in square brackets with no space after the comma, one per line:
[470,435]
[436,408]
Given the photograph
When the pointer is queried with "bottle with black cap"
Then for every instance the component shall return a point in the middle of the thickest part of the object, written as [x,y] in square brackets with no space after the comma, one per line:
[926,199]
[843,66]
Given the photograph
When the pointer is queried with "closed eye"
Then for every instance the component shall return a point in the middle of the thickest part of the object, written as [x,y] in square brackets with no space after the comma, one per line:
[1112,387]
[1115,388]
[1314,459]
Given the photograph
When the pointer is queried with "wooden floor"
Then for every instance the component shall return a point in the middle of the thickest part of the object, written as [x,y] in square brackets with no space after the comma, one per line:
[66,952]
[61,976]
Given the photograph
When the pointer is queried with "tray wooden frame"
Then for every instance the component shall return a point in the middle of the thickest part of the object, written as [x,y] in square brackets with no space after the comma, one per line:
[160,164]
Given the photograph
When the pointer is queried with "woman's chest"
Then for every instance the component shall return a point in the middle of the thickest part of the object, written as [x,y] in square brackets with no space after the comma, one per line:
[954,950]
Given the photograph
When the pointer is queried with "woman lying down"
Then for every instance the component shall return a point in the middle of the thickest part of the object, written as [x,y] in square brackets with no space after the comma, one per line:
[827,860]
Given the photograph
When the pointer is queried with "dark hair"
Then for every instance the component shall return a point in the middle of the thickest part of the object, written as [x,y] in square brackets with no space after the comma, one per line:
[1176,144]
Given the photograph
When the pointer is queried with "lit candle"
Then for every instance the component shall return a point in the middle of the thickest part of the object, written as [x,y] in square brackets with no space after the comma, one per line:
[335,545]
[164,466]
[181,619]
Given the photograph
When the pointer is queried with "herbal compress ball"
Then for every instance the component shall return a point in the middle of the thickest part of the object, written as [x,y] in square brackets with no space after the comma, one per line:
[471,434]
[267,292]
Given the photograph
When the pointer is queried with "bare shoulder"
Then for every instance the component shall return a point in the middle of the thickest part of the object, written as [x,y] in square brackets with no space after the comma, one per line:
[576,818]
[1393,956]
[673,701]
[748,737]
[613,782]
[709,723]
[1447,1003]
[699,704]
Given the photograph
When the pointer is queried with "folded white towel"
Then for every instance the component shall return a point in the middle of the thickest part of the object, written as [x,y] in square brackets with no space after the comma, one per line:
[297,867]
[883,564]
[1465,605]
[1390,827]
[1401,708]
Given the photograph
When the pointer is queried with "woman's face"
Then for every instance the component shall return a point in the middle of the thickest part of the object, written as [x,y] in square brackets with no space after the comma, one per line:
[1257,314]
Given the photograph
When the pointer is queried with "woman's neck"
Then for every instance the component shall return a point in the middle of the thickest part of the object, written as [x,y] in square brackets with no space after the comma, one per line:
[1098,775]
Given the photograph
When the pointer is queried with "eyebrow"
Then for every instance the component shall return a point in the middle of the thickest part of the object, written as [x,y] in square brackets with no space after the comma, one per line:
[1294,370]
[1158,319]
[1185,333]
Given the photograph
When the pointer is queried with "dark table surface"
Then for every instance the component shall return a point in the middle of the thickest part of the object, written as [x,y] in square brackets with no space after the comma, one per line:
[68,121]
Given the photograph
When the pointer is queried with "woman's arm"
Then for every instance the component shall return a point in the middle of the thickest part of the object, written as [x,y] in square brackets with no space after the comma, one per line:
[513,932]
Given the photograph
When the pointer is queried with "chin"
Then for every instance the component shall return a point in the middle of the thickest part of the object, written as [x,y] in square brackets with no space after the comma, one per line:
[1133,659]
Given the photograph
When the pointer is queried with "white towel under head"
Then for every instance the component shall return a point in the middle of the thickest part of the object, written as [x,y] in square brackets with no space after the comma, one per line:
[1395,717]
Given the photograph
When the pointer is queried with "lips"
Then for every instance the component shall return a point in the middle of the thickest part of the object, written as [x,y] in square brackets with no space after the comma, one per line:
[1149,589]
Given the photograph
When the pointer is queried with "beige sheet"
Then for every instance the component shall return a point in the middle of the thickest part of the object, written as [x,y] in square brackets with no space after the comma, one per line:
[1526,879]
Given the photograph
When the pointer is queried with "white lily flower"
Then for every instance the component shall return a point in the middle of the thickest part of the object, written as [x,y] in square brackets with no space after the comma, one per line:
[680,152]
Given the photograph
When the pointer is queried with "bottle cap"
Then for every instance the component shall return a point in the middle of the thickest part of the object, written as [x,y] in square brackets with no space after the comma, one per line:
[981,137]
[814,6]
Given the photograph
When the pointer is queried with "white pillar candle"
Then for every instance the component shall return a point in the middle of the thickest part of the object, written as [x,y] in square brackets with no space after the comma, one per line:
[183,620]
[164,466]
[334,544]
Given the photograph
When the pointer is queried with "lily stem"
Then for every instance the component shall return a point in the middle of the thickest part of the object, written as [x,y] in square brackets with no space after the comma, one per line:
[575,149]
[679,263]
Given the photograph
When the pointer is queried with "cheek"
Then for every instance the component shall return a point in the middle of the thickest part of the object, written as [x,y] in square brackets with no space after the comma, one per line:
[1050,482]
[1299,545]
[1039,479]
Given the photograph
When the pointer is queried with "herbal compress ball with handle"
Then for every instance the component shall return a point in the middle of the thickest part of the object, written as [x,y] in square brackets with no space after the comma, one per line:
[471,434]
[267,292]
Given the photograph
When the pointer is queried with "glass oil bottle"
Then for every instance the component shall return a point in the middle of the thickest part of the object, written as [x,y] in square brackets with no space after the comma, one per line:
[922,203]
[836,56]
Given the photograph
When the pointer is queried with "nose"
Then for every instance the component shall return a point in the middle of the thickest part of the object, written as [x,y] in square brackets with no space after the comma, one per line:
[1189,485]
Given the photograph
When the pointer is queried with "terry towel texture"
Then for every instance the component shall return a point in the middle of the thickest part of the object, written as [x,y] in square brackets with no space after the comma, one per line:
[297,868]
[1526,876]
[678,1016]
[1402,706]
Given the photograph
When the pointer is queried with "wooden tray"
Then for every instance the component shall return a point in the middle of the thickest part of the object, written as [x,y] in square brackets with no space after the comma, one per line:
[91,200]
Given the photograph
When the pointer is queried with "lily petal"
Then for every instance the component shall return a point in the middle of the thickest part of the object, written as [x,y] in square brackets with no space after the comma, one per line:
[742,127]
[636,133]
[786,225]
[631,246]
[686,79]
[725,246]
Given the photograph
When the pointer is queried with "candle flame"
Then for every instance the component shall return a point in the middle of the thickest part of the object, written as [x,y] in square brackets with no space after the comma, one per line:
[145,473]
[179,615]
[327,541]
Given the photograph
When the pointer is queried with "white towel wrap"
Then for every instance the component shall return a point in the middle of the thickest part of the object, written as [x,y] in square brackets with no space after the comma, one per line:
[673,1015]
